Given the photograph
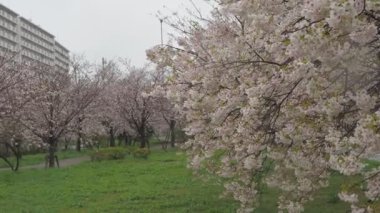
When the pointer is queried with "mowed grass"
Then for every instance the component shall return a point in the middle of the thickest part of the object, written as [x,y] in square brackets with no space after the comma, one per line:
[160,184]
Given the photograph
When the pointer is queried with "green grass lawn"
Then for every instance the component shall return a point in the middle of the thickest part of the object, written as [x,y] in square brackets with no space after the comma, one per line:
[27,160]
[160,184]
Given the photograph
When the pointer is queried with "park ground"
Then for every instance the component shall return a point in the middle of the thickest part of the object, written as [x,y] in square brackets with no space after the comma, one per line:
[161,183]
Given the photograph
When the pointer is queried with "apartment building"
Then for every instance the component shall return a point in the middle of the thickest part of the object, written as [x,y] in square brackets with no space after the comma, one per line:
[31,42]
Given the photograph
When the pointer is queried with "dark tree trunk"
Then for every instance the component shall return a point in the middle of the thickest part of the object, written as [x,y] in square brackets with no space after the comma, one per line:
[79,144]
[52,150]
[7,162]
[172,132]
[112,137]
[18,155]
[7,152]
[143,137]
[15,149]
[127,140]
[143,142]
[120,138]
[67,142]
[51,157]
[79,140]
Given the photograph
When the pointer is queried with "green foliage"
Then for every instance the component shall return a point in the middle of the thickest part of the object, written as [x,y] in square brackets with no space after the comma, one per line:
[113,153]
[154,140]
[333,198]
[180,135]
[141,153]
[371,164]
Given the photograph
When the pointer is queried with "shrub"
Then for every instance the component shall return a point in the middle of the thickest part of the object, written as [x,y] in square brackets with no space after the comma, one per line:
[131,149]
[141,153]
[114,153]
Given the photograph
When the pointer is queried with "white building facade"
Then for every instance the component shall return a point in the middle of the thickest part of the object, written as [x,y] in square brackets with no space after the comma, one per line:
[31,42]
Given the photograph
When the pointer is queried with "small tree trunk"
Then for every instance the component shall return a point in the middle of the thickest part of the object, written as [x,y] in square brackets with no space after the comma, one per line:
[143,142]
[7,161]
[79,140]
[17,162]
[51,158]
[52,150]
[112,137]
[79,143]
[127,139]
[18,156]
[143,137]
[120,138]
[172,132]
[66,145]
[7,153]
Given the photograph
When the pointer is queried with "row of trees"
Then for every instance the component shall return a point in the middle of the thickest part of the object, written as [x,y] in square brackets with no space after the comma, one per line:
[41,106]
[281,93]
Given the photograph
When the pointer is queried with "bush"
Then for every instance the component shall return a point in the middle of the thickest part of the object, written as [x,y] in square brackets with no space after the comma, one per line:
[114,153]
[141,153]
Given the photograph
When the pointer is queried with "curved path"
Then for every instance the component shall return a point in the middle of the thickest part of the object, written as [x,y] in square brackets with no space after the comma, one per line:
[62,163]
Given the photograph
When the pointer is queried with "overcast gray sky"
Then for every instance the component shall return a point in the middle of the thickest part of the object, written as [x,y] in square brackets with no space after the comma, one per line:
[101,28]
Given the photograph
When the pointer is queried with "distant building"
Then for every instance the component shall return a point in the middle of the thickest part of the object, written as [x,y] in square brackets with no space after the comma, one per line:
[19,35]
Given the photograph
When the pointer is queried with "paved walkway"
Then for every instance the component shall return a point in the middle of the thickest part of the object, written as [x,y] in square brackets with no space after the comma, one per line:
[62,163]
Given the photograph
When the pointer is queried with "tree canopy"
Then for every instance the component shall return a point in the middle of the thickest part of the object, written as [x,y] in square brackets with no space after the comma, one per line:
[279,92]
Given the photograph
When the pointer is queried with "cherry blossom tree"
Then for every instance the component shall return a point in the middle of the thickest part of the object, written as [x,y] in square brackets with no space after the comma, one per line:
[280,93]
[165,109]
[169,116]
[135,106]
[55,104]
[87,123]
[81,69]
[108,114]
[12,76]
